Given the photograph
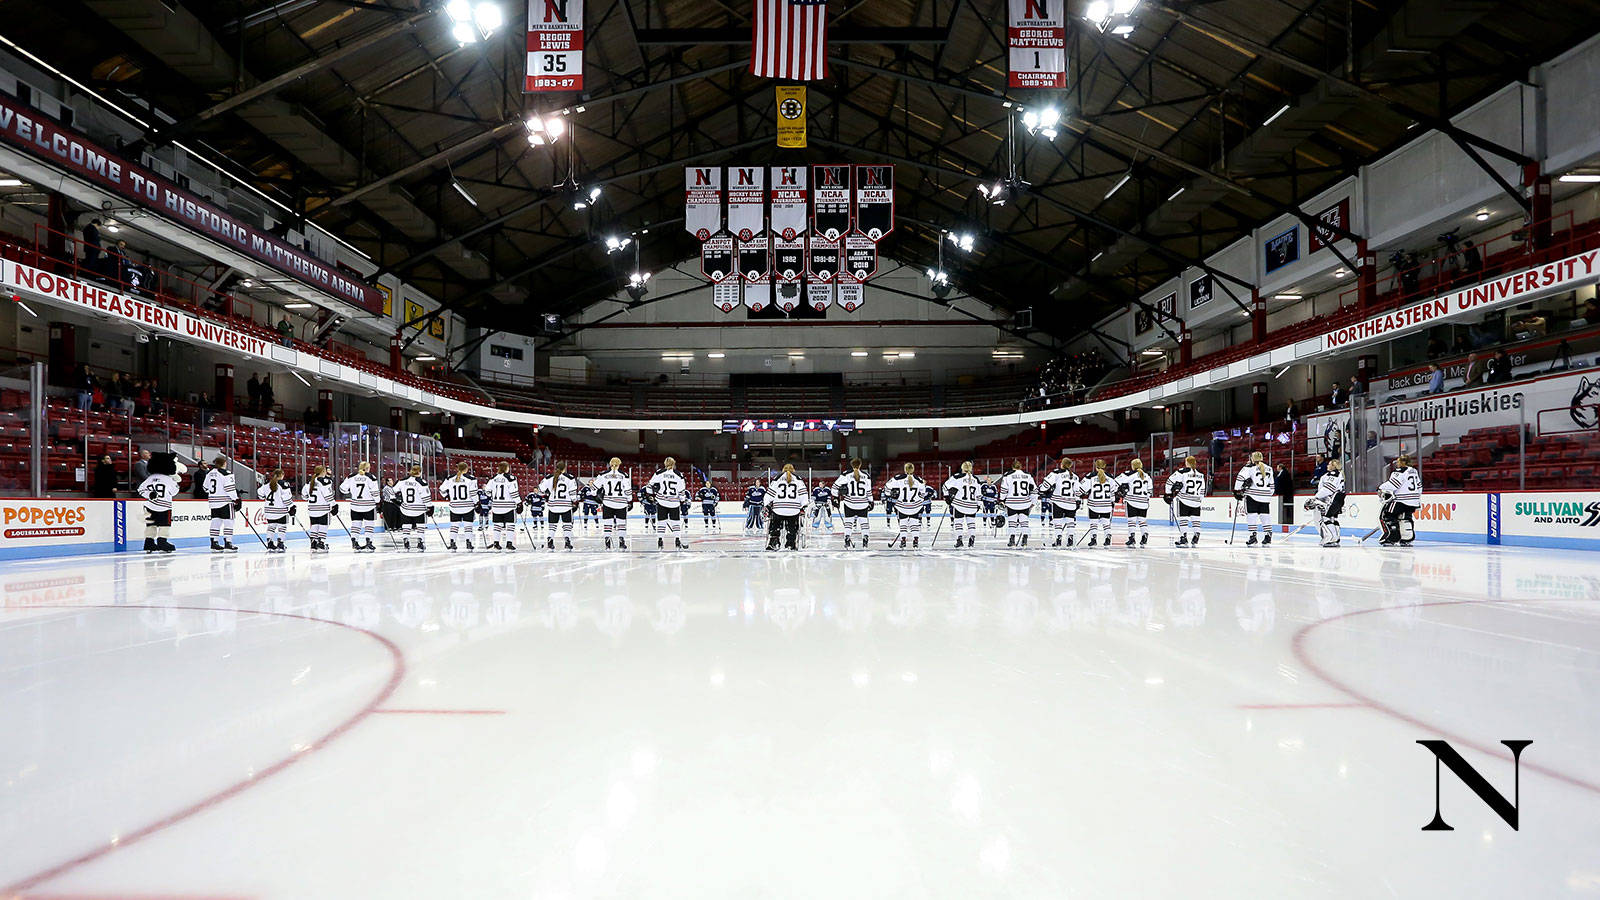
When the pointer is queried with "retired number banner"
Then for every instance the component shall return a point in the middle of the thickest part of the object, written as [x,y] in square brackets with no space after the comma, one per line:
[747,201]
[830,201]
[788,214]
[819,296]
[702,200]
[555,46]
[1038,39]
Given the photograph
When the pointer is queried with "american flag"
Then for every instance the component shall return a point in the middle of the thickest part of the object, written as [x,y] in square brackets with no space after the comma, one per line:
[789,39]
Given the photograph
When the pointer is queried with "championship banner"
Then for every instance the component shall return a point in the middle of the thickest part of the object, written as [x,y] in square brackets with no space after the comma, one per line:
[860,259]
[716,258]
[788,215]
[1038,43]
[758,294]
[875,201]
[851,294]
[726,295]
[822,259]
[747,201]
[791,116]
[702,203]
[555,46]
[753,260]
[788,259]
[819,296]
[830,201]
[789,295]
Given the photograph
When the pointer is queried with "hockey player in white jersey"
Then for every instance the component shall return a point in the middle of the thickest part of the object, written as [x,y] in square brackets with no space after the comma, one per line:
[158,491]
[505,500]
[277,506]
[1328,503]
[1185,492]
[670,491]
[1136,488]
[1017,490]
[561,492]
[416,504]
[1099,492]
[786,501]
[1254,486]
[1401,495]
[963,496]
[1060,490]
[908,493]
[319,497]
[223,495]
[852,491]
[614,487]
[460,491]
[364,493]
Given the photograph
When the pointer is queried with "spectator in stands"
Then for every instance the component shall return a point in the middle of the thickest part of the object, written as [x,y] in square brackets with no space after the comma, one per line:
[91,245]
[1435,348]
[252,390]
[285,332]
[142,397]
[86,386]
[104,483]
[1473,371]
[1356,387]
[1472,260]
[1435,379]
[1334,397]
[1372,439]
[1502,367]
[141,468]
[268,401]
[1590,313]
[1321,469]
[203,404]
[1283,486]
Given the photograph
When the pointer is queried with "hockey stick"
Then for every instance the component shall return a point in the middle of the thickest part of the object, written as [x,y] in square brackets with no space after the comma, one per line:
[248,524]
[347,530]
[1363,538]
[443,544]
[1235,525]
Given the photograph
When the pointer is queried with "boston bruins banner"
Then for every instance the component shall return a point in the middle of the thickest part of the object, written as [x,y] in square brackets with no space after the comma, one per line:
[702,204]
[819,296]
[716,258]
[1038,43]
[727,295]
[791,116]
[747,201]
[830,201]
[788,215]
[875,201]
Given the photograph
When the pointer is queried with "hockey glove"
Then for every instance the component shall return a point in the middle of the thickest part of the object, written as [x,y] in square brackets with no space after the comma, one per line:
[1238,495]
[293,510]
[238,505]
[334,510]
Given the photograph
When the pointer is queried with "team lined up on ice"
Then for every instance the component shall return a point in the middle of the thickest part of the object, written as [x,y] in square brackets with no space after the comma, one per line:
[1007,503]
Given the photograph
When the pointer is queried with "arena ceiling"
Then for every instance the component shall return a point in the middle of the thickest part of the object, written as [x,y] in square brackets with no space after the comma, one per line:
[366,115]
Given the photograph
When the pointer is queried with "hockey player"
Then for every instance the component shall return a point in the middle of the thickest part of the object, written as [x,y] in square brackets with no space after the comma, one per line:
[1254,487]
[908,493]
[278,505]
[591,509]
[224,496]
[709,498]
[318,496]
[755,504]
[363,491]
[670,492]
[416,504]
[648,505]
[615,489]
[1401,495]
[485,513]
[1060,491]
[786,497]
[158,489]
[1185,490]
[1136,488]
[533,505]
[460,491]
[852,493]
[963,496]
[505,501]
[991,506]
[1017,489]
[560,492]
[822,507]
[1099,492]
[1328,503]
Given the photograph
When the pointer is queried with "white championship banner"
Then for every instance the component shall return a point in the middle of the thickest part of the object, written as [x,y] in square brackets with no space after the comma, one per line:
[555,46]
[1037,39]
[702,203]
[747,201]
[830,201]
[819,295]
[789,212]
[758,294]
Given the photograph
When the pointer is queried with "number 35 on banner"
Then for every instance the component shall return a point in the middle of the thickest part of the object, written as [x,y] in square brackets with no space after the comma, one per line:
[555,46]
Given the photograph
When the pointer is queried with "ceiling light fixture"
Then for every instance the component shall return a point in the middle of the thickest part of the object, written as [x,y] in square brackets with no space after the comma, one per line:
[858,353]
[1174,195]
[1118,186]
[1482,216]
[1286,296]
[715,354]
[472,22]
[1580,178]
[297,306]
[1274,117]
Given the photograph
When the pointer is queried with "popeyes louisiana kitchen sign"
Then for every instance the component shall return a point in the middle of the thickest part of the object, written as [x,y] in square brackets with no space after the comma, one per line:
[29,132]
[44,527]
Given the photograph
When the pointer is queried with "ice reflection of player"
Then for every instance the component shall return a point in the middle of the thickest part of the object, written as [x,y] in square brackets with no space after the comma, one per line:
[966,600]
[1186,606]
[1019,605]
[1138,608]
[1257,612]
[363,608]
[414,608]
[907,606]
[1066,611]
[855,604]
[505,607]
[1402,590]
[462,608]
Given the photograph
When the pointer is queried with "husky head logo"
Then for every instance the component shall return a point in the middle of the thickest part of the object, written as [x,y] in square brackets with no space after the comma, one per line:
[1585,409]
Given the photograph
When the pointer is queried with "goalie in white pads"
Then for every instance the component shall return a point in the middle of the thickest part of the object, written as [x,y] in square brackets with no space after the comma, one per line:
[1328,503]
[670,492]
[1061,491]
[505,499]
[1136,488]
[1017,490]
[1099,492]
[908,493]
[1254,486]
[1401,495]
[615,488]
[1185,492]
[963,496]
[786,500]
[853,492]
[460,491]
[364,493]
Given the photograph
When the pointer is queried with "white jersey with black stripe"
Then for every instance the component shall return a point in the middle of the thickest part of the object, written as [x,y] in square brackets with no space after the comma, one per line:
[964,493]
[363,492]
[461,492]
[854,491]
[787,496]
[615,489]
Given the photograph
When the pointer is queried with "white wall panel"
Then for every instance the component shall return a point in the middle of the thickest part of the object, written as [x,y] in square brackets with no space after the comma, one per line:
[1572,105]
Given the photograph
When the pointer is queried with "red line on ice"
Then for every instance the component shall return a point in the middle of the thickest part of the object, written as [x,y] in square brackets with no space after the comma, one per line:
[442,712]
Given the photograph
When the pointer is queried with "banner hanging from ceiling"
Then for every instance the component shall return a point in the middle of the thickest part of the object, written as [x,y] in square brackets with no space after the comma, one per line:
[791,111]
[788,259]
[555,46]
[850,293]
[822,259]
[702,202]
[716,258]
[758,294]
[875,201]
[726,295]
[747,201]
[754,261]
[830,201]
[789,195]
[1038,43]
[819,295]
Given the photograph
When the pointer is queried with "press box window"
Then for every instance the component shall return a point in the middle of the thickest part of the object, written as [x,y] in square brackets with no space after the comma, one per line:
[505,352]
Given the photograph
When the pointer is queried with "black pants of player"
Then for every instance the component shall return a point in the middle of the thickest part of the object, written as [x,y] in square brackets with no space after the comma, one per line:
[789,524]
[1398,525]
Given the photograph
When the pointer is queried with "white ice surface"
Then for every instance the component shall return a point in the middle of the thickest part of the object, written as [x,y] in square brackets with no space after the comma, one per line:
[725,723]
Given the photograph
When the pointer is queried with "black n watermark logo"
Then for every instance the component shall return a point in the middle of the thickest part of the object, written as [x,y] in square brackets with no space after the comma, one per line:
[1506,810]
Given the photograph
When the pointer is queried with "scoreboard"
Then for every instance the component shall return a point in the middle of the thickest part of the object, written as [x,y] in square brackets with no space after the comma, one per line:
[751,426]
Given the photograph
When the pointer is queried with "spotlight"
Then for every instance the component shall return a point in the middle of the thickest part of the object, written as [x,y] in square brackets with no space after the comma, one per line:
[470,23]
[963,240]
[638,285]
[1042,122]
[614,243]
[997,193]
[1114,16]
[939,283]
[544,129]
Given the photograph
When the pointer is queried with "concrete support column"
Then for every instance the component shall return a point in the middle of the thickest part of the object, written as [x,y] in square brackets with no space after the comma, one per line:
[1258,403]
[1258,316]
[325,405]
[1367,277]
[222,388]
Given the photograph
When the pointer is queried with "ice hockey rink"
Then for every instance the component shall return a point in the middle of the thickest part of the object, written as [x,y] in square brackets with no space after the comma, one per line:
[725,722]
